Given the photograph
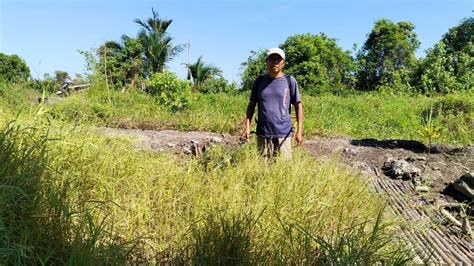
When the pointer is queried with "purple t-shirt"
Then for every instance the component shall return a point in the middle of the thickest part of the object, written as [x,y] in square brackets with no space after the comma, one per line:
[274,100]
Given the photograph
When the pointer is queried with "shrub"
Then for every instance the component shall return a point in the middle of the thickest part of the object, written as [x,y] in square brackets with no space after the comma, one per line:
[47,85]
[218,85]
[170,90]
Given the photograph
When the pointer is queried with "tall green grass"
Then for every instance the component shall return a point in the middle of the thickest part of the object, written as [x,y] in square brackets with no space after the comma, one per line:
[71,196]
[97,200]
[367,115]
[370,115]
[38,222]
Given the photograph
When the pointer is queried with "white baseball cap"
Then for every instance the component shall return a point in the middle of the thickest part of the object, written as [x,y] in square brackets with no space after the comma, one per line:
[277,51]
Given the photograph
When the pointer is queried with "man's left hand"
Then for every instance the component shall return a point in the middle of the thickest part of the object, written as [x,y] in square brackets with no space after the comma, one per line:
[299,137]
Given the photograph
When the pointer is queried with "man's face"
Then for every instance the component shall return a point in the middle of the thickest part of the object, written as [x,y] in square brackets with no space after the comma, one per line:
[275,63]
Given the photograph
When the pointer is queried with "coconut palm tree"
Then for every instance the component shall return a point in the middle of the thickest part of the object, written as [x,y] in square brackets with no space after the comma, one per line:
[157,44]
[154,24]
[200,72]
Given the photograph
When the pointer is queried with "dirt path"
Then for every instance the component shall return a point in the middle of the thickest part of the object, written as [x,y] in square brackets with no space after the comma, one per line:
[433,237]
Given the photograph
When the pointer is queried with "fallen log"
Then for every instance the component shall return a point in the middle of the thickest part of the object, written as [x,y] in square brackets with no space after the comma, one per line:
[450,217]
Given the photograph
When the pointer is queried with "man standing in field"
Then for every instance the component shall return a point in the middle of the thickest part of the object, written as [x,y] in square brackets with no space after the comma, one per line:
[274,93]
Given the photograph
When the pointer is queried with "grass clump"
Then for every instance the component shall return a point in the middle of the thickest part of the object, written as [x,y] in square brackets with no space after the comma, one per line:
[22,162]
[39,224]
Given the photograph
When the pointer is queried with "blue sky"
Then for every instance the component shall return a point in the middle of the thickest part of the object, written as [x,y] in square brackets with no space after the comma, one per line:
[48,34]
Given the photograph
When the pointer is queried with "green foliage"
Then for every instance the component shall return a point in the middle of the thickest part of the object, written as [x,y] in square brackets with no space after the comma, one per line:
[389,48]
[448,65]
[21,166]
[48,84]
[437,73]
[60,75]
[318,63]
[430,131]
[200,72]
[452,105]
[170,90]
[461,37]
[13,68]
[453,113]
[252,68]
[217,85]
[122,61]
[131,60]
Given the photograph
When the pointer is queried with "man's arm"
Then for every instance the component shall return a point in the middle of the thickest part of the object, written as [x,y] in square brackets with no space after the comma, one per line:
[299,120]
[248,119]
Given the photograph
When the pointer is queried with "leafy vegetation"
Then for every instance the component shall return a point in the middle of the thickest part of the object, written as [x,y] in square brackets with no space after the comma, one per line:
[316,61]
[170,90]
[448,65]
[200,72]
[388,51]
[13,68]
[156,42]
[131,61]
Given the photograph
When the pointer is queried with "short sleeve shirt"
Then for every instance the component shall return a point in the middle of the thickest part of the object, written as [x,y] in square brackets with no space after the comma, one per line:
[274,98]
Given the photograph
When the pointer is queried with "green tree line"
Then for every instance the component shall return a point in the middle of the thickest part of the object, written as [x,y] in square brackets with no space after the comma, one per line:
[386,60]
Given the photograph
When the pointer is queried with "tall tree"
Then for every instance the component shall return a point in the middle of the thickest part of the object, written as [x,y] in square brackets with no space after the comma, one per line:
[317,62]
[252,68]
[200,72]
[461,37]
[448,65]
[390,47]
[157,44]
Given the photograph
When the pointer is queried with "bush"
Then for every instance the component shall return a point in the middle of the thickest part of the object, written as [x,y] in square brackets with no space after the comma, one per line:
[218,85]
[48,85]
[170,90]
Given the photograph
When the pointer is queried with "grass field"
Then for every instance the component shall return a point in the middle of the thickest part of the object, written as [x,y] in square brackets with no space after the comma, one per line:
[369,115]
[72,196]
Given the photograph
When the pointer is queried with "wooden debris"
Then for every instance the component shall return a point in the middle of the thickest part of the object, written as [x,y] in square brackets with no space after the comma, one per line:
[422,189]
[453,205]
[466,227]
[450,217]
